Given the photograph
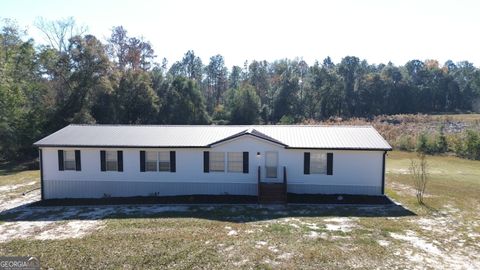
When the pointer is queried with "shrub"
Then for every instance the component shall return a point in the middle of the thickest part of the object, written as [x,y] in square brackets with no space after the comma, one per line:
[432,144]
[422,144]
[405,143]
[472,145]
[286,120]
[441,145]
[419,171]
[466,145]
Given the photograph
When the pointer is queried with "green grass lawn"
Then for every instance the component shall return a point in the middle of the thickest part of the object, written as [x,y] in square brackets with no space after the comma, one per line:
[444,234]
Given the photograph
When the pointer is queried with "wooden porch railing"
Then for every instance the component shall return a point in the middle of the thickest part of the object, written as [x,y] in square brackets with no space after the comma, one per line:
[258,185]
[285,182]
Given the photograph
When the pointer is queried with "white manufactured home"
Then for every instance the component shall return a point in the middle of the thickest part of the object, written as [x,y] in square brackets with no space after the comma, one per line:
[95,161]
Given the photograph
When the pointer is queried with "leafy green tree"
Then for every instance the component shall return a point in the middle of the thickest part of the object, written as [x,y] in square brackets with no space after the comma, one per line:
[75,78]
[184,103]
[130,52]
[140,54]
[235,78]
[466,77]
[89,67]
[220,116]
[245,107]
[286,90]
[313,91]
[370,96]
[23,108]
[259,77]
[118,47]
[349,69]
[216,81]
[136,100]
[190,66]
[193,66]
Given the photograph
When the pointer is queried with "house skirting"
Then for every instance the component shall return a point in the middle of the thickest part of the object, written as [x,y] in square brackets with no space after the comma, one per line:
[56,189]
[97,189]
[334,189]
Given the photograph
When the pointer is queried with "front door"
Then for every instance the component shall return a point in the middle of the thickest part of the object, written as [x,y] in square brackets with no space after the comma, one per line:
[271,165]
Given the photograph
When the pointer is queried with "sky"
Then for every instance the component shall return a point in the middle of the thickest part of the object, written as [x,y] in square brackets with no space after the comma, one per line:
[376,30]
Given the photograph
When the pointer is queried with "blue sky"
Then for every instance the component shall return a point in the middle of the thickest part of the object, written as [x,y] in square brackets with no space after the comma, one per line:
[379,31]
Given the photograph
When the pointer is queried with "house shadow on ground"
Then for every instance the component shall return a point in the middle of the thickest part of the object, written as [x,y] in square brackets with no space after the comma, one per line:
[240,212]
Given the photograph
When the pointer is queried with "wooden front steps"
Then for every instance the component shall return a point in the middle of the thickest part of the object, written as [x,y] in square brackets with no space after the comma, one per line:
[272,193]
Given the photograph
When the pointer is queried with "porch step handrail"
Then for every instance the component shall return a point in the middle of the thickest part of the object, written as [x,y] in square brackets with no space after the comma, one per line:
[258,184]
[285,182]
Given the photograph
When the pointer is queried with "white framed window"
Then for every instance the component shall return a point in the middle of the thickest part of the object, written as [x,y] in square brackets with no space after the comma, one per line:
[217,161]
[318,163]
[235,161]
[111,160]
[69,160]
[164,161]
[151,161]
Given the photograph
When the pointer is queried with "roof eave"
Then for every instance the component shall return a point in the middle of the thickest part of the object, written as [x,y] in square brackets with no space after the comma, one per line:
[341,148]
[118,146]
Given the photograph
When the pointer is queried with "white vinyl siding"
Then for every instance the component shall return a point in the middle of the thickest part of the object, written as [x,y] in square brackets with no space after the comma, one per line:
[111,160]
[164,161]
[355,172]
[151,161]
[217,161]
[69,160]
[235,161]
[318,163]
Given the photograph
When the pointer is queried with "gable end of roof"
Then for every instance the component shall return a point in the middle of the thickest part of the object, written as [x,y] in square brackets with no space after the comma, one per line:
[252,132]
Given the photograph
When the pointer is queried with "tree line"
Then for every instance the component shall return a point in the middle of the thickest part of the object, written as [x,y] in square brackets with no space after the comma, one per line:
[77,78]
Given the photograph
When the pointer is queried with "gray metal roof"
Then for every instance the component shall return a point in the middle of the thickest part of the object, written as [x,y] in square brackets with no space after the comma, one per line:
[291,136]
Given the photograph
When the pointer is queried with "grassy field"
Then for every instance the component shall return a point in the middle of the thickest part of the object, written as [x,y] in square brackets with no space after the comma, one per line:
[443,234]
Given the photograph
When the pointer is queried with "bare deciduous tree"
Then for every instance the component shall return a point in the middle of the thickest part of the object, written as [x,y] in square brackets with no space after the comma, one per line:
[419,171]
[58,32]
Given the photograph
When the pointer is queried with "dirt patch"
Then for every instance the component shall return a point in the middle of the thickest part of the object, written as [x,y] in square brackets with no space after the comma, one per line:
[47,230]
[342,224]
[11,196]
[59,222]
[406,189]
[418,242]
[7,203]
[439,240]
[10,188]
[427,253]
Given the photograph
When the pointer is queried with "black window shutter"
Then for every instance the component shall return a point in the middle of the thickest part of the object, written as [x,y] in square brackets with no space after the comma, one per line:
[78,163]
[103,161]
[245,162]
[173,162]
[120,161]
[329,163]
[60,160]
[206,161]
[142,161]
[306,163]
